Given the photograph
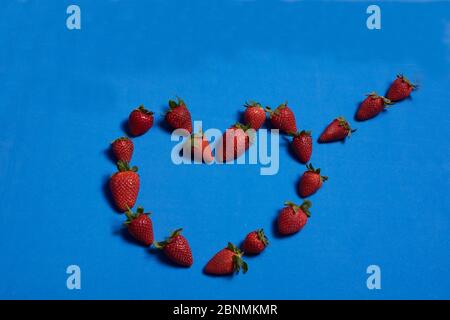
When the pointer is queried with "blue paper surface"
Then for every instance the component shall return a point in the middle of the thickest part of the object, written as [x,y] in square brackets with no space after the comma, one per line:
[66,94]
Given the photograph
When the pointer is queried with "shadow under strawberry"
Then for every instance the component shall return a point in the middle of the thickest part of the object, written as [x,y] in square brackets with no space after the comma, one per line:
[162,124]
[108,153]
[275,233]
[297,183]
[124,127]
[240,116]
[223,276]
[107,193]
[287,144]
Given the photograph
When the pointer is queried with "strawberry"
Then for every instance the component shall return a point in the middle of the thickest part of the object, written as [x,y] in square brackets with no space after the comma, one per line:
[255,242]
[177,249]
[140,226]
[302,145]
[310,182]
[292,218]
[124,186]
[400,89]
[338,129]
[371,106]
[200,149]
[178,115]
[226,261]
[283,118]
[140,121]
[123,149]
[240,137]
[254,115]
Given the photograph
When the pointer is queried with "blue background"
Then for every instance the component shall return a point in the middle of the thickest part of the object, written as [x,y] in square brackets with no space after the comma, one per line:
[66,94]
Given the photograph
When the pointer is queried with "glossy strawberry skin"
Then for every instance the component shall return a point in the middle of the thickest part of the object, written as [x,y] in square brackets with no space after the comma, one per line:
[302,146]
[123,149]
[241,142]
[283,118]
[221,263]
[254,116]
[400,89]
[140,121]
[200,149]
[291,221]
[124,186]
[371,107]
[254,243]
[226,261]
[178,116]
[179,251]
[141,228]
[337,130]
[310,182]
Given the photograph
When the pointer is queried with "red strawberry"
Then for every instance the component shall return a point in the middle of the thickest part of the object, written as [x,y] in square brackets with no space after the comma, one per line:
[140,121]
[400,89]
[177,249]
[124,186]
[200,149]
[338,129]
[255,242]
[178,115]
[371,106]
[140,226]
[302,145]
[310,182]
[123,149]
[283,118]
[254,115]
[293,218]
[235,141]
[226,261]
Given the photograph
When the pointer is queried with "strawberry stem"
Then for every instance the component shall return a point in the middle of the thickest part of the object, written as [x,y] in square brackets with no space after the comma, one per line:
[305,207]
[251,103]
[239,125]
[175,104]
[262,237]
[268,109]
[238,263]
[133,215]
[142,109]
[404,79]
[344,124]
[292,205]
[162,244]
[123,166]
